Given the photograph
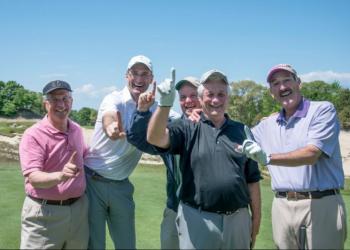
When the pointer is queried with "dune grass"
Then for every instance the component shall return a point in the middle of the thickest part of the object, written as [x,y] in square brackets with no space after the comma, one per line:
[149,197]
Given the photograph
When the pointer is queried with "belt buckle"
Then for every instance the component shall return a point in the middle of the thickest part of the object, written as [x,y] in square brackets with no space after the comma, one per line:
[292,195]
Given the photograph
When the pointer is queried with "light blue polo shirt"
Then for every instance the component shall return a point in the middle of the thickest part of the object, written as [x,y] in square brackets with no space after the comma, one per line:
[314,123]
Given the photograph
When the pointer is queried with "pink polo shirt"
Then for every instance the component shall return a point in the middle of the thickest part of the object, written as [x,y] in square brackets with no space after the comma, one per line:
[45,148]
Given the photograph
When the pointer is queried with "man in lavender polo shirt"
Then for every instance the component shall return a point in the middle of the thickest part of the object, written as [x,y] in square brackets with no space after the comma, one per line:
[300,147]
[54,214]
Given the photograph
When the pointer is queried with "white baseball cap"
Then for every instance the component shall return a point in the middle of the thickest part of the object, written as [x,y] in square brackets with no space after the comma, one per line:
[140,59]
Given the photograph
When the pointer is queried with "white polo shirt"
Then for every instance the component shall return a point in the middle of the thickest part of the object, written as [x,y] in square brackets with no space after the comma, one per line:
[114,159]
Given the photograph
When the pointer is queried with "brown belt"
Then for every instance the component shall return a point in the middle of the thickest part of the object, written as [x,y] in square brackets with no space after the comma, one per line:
[67,202]
[292,195]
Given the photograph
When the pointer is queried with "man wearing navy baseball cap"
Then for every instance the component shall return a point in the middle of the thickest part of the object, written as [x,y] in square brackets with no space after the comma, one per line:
[57,84]
[51,155]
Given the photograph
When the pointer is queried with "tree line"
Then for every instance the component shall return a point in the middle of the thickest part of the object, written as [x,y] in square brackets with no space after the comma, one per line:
[16,100]
[249,103]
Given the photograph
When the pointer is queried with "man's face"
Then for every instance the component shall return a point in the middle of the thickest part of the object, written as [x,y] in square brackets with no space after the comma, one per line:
[215,99]
[188,99]
[139,78]
[285,90]
[58,105]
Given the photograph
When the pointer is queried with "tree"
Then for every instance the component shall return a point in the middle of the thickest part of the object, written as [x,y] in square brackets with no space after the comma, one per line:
[321,91]
[14,98]
[85,116]
[250,102]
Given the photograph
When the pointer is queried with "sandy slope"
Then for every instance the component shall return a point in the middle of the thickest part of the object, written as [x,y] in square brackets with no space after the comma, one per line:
[344,145]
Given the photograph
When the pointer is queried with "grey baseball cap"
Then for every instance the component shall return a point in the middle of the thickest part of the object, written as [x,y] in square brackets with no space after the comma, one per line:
[57,84]
[213,74]
[280,67]
[189,80]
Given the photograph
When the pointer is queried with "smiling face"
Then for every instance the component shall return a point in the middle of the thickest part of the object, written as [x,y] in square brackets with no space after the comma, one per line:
[58,105]
[188,99]
[285,89]
[139,78]
[214,100]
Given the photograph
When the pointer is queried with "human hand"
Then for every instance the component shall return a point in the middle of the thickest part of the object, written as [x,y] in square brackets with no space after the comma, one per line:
[253,150]
[115,130]
[69,170]
[167,91]
[146,99]
[195,115]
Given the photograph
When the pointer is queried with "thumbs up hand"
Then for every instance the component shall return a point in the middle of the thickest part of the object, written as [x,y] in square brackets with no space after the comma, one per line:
[115,129]
[70,170]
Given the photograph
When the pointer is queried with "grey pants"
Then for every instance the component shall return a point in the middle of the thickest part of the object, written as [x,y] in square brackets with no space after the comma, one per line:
[205,230]
[111,202]
[169,238]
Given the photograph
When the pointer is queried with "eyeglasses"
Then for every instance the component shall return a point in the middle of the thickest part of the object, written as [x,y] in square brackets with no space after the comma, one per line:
[55,100]
[135,74]
[281,80]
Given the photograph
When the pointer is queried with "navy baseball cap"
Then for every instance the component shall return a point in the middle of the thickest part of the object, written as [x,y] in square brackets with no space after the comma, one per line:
[57,84]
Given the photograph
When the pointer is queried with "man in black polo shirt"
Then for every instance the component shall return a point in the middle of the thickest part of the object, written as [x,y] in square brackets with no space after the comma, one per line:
[218,181]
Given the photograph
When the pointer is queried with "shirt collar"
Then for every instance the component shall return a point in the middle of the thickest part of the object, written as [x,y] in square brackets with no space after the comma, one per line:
[301,111]
[49,127]
[206,120]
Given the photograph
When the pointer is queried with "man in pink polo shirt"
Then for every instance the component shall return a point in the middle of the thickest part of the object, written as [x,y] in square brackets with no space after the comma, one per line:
[54,213]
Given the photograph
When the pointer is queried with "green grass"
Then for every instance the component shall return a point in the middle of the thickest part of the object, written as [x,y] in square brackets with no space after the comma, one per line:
[149,197]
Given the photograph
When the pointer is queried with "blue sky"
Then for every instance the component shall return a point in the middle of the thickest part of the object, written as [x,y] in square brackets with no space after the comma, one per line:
[89,43]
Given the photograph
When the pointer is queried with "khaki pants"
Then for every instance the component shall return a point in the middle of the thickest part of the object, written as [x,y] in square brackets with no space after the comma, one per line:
[324,219]
[55,227]
[205,230]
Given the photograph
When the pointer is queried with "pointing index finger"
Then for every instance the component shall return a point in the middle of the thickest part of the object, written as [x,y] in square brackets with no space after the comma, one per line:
[120,121]
[154,88]
[172,75]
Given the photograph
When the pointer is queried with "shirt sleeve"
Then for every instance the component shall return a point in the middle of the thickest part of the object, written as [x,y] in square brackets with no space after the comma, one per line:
[177,133]
[31,154]
[137,134]
[110,103]
[324,129]
[252,172]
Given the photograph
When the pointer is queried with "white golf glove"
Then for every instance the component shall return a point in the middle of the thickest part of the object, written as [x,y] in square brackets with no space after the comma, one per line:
[167,91]
[253,150]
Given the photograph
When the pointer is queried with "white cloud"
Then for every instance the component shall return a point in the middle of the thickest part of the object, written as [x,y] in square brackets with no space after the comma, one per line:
[93,91]
[53,75]
[327,76]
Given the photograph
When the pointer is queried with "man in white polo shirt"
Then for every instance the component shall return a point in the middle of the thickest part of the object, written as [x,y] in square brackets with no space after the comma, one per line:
[111,160]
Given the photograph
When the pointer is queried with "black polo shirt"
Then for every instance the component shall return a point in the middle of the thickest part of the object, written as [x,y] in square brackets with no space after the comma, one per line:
[214,176]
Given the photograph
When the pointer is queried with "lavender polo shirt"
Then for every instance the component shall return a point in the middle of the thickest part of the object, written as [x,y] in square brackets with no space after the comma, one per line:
[314,123]
[45,148]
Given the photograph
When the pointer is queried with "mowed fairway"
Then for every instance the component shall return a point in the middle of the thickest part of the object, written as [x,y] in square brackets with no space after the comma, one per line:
[149,197]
